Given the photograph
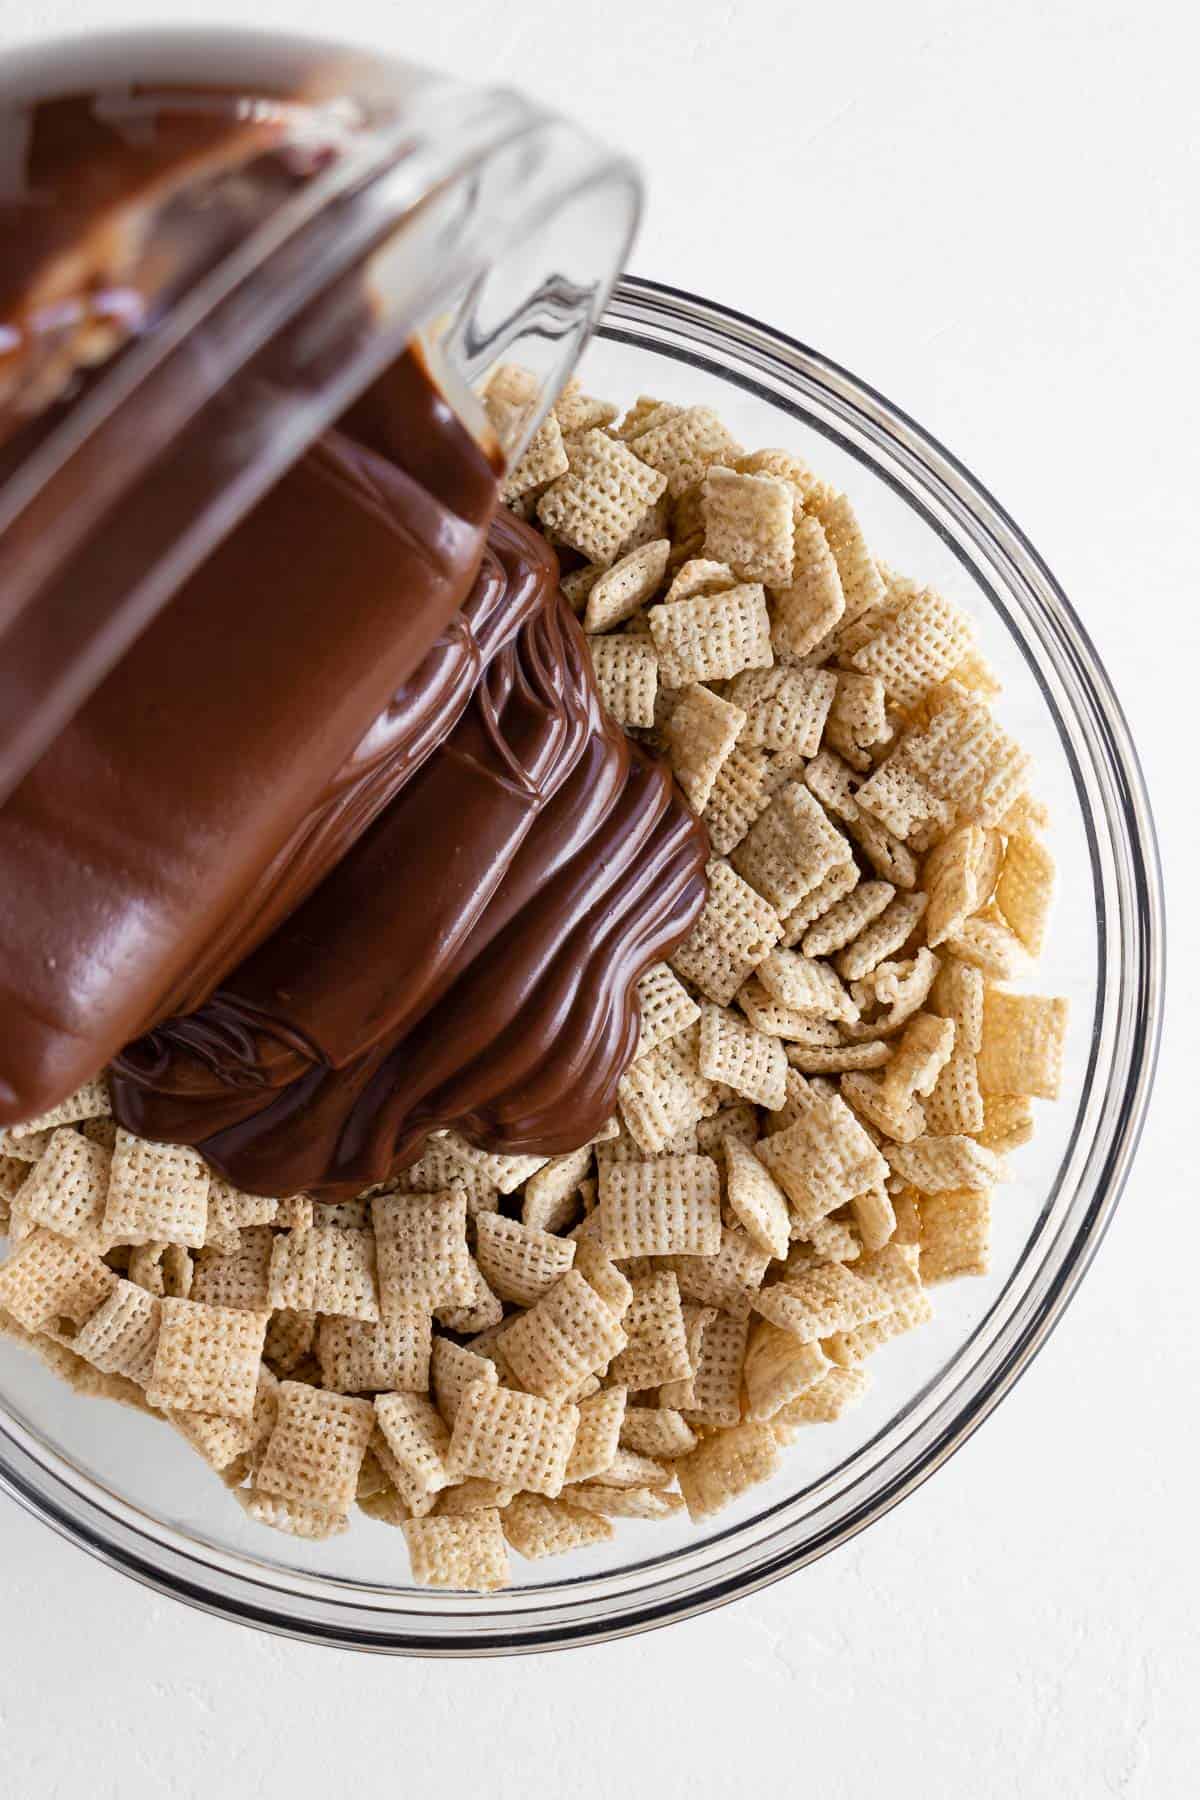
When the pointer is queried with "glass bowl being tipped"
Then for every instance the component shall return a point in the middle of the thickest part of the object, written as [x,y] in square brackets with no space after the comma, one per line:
[122,1487]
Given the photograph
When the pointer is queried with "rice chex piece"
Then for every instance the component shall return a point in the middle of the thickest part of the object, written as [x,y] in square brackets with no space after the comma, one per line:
[712,637]
[294,1517]
[937,1165]
[858,720]
[1007,1121]
[837,1391]
[699,575]
[823,1160]
[538,1527]
[887,854]
[785,708]
[27,1148]
[656,1348]
[730,1278]
[916,647]
[626,1503]
[658,1431]
[483,1310]
[790,848]
[862,584]
[162,1269]
[881,940]
[663,1093]
[953,877]
[598,1435]
[988,944]
[757,1202]
[495,1169]
[157,1193]
[894,1270]
[518,1440]
[779,1367]
[452,1369]
[593,1262]
[628,1469]
[826,1299]
[738,1120]
[48,1278]
[734,1052]
[66,1188]
[550,1199]
[748,523]
[816,1059]
[293,1212]
[832,888]
[740,794]
[91,1101]
[665,1008]
[716,1383]
[519,1263]
[1021,1051]
[291,1335]
[421,1243]
[955,1106]
[626,586]
[645,412]
[571,1333]
[360,1356]
[685,445]
[316,1449]
[960,764]
[735,931]
[626,671]
[468,1552]
[806,986]
[1025,890]
[238,1277]
[545,458]
[417,1441]
[206,1358]
[121,1336]
[955,1234]
[848,918]
[471,1496]
[671,1206]
[233,1447]
[809,606]
[328,1270]
[230,1211]
[602,496]
[890,995]
[441,1166]
[698,738]
[726,1466]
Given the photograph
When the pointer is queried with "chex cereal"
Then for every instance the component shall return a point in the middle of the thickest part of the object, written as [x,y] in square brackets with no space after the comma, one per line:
[498,1348]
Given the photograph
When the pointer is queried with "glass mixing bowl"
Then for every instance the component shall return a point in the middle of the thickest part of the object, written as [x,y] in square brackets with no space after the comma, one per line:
[127,1490]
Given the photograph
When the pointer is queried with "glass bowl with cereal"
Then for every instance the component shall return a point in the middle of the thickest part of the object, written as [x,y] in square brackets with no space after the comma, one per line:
[867,1107]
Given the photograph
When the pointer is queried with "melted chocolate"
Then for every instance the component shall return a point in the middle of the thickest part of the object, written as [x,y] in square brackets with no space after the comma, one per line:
[471,961]
[238,748]
[344,843]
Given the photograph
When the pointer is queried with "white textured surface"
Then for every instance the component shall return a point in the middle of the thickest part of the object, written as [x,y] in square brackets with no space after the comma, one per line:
[990,213]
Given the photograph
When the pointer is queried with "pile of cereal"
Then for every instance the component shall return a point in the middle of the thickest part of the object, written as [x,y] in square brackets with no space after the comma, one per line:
[513,1351]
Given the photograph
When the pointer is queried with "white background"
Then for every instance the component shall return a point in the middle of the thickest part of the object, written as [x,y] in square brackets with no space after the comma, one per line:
[990,212]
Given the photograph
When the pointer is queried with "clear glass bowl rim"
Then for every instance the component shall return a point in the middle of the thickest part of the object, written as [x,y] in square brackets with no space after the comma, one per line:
[174,1564]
